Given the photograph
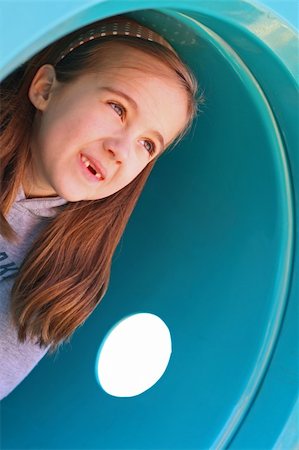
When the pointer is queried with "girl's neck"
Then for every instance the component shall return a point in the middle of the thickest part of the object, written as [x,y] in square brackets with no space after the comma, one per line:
[31,192]
[34,189]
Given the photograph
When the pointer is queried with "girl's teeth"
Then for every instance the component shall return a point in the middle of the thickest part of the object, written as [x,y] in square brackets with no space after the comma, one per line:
[87,163]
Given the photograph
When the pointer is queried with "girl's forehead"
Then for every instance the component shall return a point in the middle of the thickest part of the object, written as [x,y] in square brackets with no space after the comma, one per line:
[153,87]
[123,56]
[137,77]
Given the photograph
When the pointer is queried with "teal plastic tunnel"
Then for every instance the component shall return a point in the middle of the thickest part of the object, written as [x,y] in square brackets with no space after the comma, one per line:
[213,246]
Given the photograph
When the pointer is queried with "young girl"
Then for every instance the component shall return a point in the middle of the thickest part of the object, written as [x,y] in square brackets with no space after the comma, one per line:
[82,125]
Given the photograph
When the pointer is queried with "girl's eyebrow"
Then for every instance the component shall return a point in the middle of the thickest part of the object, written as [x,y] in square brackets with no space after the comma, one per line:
[134,105]
[122,94]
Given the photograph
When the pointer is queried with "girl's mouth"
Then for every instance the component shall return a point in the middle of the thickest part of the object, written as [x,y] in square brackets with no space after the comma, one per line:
[89,170]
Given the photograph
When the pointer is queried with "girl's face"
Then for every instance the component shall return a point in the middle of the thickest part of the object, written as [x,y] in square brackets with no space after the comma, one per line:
[115,122]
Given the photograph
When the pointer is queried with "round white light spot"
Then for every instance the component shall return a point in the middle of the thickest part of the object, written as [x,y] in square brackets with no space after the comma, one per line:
[134,355]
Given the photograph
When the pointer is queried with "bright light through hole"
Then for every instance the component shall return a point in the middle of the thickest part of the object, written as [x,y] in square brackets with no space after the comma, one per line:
[134,355]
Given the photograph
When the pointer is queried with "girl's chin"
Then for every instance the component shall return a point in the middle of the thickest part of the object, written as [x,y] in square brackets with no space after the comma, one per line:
[77,196]
[74,195]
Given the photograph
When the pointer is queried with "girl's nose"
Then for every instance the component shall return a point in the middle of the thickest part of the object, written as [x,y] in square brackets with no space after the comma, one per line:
[118,149]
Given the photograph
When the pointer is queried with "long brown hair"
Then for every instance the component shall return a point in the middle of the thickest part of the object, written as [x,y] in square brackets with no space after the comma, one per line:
[66,272]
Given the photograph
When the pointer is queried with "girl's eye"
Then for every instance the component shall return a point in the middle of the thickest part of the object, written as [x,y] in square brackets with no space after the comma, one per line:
[149,146]
[121,112]
[119,109]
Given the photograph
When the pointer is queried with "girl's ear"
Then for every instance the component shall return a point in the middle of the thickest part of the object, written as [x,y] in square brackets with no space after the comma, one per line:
[42,86]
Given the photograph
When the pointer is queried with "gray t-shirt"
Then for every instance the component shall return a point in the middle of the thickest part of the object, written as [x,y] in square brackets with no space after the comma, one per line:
[26,218]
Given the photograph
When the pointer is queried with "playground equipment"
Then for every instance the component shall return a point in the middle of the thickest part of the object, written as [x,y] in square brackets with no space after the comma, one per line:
[214,252]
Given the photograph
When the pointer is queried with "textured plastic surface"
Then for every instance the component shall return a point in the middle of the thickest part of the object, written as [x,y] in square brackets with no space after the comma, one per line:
[212,245]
